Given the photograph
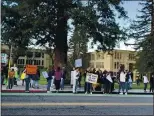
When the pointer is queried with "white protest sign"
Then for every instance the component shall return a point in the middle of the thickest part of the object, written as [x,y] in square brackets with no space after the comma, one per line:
[72,77]
[91,78]
[78,63]
[45,74]
[109,78]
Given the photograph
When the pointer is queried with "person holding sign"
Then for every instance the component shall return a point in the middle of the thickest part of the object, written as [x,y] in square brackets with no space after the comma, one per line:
[75,80]
[51,73]
[58,75]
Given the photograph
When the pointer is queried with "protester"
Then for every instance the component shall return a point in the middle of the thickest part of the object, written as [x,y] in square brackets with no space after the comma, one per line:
[130,80]
[152,83]
[113,79]
[122,81]
[80,78]
[127,82]
[63,78]
[146,81]
[108,83]
[11,78]
[58,75]
[35,79]
[137,81]
[75,81]
[51,73]
[23,80]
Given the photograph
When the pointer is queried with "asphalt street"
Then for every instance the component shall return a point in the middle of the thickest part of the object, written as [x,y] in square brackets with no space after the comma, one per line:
[79,104]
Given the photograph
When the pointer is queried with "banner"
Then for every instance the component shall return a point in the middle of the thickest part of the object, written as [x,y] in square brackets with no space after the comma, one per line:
[31,69]
[45,74]
[78,63]
[91,78]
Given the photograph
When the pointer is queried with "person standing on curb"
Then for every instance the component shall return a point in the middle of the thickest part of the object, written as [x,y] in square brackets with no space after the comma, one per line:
[146,81]
[122,81]
[11,78]
[75,81]
[152,83]
[51,73]
[127,83]
[58,75]
[63,78]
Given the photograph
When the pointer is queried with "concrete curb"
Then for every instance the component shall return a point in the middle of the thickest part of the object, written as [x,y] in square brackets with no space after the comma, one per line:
[44,91]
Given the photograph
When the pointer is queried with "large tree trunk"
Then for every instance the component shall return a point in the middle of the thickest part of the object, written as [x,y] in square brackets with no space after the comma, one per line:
[60,58]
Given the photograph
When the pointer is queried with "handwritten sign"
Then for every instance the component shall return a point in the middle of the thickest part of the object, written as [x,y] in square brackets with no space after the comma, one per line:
[91,78]
[78,63]
[45,74]
[31,69]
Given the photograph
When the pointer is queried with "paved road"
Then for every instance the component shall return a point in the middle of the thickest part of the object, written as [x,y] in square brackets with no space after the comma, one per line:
[80,104]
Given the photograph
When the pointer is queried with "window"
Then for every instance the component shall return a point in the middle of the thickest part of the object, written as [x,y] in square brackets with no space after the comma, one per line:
[115,55]
[42,62]
[42,55]
[120,55]
[29,54]
[37,54]
[29,61]
[116,65]
[131,57]
[21,61]
[98,56]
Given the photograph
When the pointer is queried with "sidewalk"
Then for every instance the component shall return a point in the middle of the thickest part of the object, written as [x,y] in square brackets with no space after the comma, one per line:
[67,89]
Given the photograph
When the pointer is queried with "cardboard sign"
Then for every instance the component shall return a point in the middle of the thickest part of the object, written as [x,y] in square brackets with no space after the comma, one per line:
[72,77]
[45,74]
[31,69]
[91,78]
[78,63]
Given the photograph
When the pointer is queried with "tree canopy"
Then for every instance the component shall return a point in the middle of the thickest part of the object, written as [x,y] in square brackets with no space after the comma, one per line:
[45,21]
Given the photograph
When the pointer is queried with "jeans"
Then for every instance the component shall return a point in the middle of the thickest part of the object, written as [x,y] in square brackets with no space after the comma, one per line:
[75,83]
[52,81]
[57,83]
[62,84]
[35,83]
[127,85]
[122,86]
[10,84]
[49,84]
[27,81]
[88,87]
[15,81]
[145,86]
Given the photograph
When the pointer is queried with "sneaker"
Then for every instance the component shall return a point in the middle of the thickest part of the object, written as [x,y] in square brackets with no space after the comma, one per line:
[126,93]
[26,91]
[121,93]
[86,93]
[91,93]
[48,92]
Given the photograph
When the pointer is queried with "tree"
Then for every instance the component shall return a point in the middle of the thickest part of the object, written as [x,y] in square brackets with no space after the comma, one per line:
[78,47]
[143,31]
[15,29]
[49,22]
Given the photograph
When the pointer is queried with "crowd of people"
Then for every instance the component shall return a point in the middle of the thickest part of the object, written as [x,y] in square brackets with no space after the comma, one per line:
[105,82]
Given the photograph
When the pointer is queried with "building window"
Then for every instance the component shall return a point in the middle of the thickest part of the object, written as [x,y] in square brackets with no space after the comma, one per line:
[29,54]
[37,62]
[116,65]
[115,55]
[29,61]
[98,56]
[131,57]
[42,63]
[42,55]
[21,61]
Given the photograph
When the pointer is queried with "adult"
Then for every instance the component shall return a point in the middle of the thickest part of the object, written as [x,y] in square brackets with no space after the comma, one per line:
[127,83]
[145,81]
[51,73]
[63,78]
[152,82]
[75,81]
[11,78]
[35,79]
[58,75]
[122,81]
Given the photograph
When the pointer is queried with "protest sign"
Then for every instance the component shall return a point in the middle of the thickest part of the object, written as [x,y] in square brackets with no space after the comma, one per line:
[72,77]
[31,69]
[45,74]
[78,63]
[91,78]
[109,78]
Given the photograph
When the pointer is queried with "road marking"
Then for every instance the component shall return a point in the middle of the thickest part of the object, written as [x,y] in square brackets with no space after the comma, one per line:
[70,94]
[75,104]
